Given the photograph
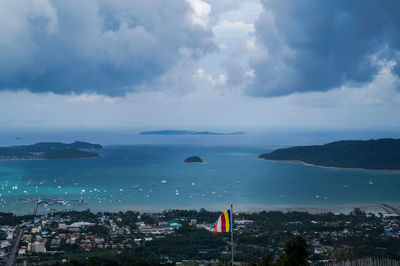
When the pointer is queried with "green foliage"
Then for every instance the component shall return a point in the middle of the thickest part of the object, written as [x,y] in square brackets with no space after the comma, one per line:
[266,260]
[9,219]
[370,154]
[77,216]
[202,216]
[296,251]
[49,150]
[68,154]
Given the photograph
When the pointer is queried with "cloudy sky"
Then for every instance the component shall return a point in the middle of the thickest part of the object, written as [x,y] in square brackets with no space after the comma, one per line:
[199,64]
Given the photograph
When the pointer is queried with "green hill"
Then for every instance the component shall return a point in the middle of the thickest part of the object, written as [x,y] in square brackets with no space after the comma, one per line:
[49,150]
[68,154]
[383,154]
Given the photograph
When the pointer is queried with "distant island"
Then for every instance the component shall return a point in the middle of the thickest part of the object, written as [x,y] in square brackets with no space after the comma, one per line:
[380,154]
[188,132]
[49,150]
[193,159]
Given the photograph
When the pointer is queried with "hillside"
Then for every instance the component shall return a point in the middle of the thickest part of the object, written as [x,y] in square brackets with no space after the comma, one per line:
[68,154]
[49,150]
[382,154]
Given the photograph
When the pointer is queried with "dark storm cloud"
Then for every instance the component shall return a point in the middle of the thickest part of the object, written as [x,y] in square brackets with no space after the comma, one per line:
[107,47]
[314,45]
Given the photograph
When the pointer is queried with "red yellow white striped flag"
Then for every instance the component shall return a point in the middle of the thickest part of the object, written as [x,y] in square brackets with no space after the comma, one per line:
[224,223]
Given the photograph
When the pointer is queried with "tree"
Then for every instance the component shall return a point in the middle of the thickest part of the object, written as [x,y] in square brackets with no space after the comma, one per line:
[266,260]
[296,251]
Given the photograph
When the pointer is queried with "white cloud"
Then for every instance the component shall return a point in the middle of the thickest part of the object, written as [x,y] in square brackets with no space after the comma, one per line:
[222,46]
[232,29]
[201,12]
[92,98]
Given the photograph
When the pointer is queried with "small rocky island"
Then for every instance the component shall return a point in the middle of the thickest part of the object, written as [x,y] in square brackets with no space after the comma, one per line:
[50,150]
[193,159]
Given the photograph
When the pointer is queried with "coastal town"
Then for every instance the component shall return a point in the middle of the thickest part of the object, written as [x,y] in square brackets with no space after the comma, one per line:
[184,237]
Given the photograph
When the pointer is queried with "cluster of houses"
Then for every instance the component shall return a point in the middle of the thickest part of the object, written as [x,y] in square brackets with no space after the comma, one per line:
[54,234]
[49,235]
[7,235]
[318,239]
[162,229]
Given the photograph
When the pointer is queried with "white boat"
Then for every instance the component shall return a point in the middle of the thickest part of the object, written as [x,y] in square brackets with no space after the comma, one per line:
[370,182]
[164,181]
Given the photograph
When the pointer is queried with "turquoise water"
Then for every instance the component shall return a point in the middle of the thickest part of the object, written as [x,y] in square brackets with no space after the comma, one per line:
[230,174]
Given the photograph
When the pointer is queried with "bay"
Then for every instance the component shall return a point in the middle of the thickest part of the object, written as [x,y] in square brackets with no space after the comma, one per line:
[128,177]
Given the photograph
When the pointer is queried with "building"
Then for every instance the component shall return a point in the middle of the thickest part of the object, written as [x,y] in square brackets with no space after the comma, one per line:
[37,247]
[22,251]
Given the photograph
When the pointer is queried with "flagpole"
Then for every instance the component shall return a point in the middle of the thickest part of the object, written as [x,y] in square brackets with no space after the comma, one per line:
[232,232]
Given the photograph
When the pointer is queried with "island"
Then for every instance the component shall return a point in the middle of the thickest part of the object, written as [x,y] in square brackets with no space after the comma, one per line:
[379,154]
[50,150]
[193,159]
[188,132]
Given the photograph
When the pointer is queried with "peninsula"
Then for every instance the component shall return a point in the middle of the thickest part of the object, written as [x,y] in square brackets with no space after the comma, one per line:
[379,154]
[49,150]
[189,132]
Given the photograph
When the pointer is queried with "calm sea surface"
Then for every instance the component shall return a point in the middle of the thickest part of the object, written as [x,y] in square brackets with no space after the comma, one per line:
[128,177]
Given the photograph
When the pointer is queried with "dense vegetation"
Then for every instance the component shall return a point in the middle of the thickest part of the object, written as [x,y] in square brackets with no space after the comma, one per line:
[49,150]
[68,154]
[7,218]
[193,159]
[370,154]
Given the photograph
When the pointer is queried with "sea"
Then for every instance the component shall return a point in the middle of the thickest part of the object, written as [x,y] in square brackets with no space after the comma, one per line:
[146,173]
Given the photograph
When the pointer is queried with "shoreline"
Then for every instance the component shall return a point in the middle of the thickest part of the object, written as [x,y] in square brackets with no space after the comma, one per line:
[332,167]
[346,209]
[46,159]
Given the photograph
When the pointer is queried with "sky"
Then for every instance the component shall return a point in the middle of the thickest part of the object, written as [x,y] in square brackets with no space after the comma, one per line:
[199,64]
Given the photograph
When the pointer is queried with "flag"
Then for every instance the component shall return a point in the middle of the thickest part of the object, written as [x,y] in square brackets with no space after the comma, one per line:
[224,223]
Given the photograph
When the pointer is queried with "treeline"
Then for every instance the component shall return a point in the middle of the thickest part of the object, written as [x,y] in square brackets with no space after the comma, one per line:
[296,253]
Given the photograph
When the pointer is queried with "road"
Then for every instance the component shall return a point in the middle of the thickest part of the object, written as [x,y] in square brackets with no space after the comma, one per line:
[13,252]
